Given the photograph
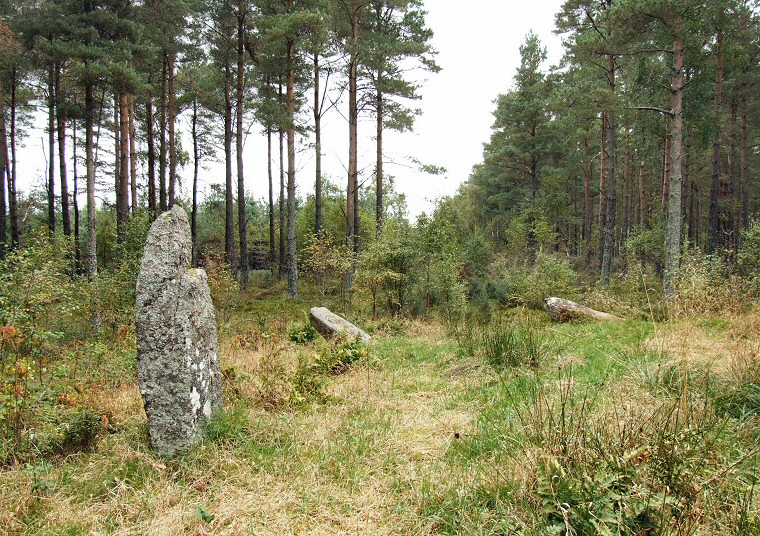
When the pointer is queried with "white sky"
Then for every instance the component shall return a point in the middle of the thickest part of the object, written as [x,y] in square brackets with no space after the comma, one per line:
[478,51]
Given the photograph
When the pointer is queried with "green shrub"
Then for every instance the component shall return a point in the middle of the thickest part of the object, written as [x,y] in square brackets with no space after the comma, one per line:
[341,354]
[530,285]
[303,333]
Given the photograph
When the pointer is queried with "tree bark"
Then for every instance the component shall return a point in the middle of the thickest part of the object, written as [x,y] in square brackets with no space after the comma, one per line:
[61,125]
[352,190]
[240,87]
[3,174]
[611,209]
[673,239]
[666,163]
[132,153]
[122,209]
[317,151]
[196,162]
[713,229]
[162,136]
[149,120]
[283,232]
[588,206]
[92,255]
[602,190]
[379,156]
[642,186]
[172,135]
[12,194]
[75,199]
[272,255]
[229,208]
[292,260]
[627,185]
[744,168]
[51,150]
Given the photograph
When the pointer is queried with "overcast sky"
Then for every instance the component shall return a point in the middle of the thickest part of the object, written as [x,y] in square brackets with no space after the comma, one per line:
[478,50]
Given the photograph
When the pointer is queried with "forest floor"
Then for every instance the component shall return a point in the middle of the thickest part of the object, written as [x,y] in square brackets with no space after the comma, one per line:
[429,433]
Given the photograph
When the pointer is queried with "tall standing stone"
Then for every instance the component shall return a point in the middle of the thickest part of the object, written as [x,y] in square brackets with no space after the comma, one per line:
[178,355]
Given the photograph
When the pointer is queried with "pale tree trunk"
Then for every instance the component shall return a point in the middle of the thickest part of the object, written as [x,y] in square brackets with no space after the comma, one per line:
[642,186]
[611,208]
[51,150]
[122,210]
[281,203]
[713,229]
[3,174]
[132,153]
[12,195]
[196,162]
[588,206]
[744,169]
[172,135]
[75,200]
[92,249]
[673,239]
[602,190]
[240,87]
[149,121]
[271,202]
[627,185]
[379,157]
[732,215]
[317,150]
[61,125]
[292,260]
[162,137]
[352,190]
[229,205]
[666,167]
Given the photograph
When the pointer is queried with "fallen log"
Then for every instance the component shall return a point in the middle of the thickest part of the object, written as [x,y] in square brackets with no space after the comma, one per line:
[331,325]
[562,310]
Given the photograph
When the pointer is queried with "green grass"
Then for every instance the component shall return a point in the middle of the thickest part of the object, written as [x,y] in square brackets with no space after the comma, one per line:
[424,435]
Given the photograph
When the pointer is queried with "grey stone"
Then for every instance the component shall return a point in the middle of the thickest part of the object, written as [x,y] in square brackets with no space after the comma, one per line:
[330,325]
[562,310]
[178,369]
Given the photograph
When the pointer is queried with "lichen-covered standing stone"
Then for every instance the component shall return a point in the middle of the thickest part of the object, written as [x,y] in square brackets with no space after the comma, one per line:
[178,353]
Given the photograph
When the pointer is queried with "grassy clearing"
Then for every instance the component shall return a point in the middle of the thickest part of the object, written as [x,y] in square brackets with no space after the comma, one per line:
[627,428]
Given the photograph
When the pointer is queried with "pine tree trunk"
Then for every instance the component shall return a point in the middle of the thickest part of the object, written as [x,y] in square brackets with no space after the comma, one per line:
[149,122]
[162,136]
[132,153]
[627,185]
[51,150]
[713,229]
[732,215]
[92,250]
[602,191]
[196,162]
[283,232]
[75,199]
[3,174]
[588,206]
[673,238]
[353,119]
[642,185]
[229,205]
[317,151]
[744,169]
[240,86]
[611,208]
[61,125]
[292,260]
[272,257]
[666,157]
[12,195]
[172,136]
[379,156]
[122,209]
